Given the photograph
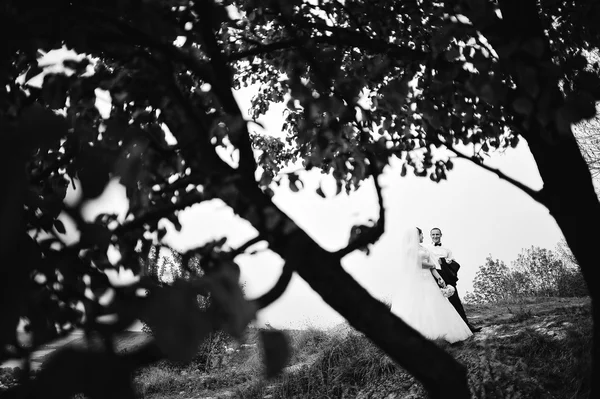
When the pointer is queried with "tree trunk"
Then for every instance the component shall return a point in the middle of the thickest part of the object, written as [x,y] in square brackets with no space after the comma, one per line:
[571,199]
[568,191]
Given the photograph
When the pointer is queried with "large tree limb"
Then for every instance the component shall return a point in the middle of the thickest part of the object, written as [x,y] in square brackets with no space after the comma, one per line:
[322,270]
[238,131]
[569,193]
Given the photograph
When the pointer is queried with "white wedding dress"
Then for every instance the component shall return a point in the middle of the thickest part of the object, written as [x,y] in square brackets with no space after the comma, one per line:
[418,299]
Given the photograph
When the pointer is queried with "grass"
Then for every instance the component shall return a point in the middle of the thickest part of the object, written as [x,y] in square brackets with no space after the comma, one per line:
[534,348]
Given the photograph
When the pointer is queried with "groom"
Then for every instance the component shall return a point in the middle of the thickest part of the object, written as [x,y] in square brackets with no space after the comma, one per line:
[449,272]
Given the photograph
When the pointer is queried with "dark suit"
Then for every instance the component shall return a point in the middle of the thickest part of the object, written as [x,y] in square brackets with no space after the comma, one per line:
[449,272]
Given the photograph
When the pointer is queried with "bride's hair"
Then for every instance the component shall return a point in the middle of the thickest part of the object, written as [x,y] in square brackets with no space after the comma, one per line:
[419,230]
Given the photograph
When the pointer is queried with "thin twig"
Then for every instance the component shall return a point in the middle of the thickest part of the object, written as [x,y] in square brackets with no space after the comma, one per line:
[375,232]
[239,250]
[536,195]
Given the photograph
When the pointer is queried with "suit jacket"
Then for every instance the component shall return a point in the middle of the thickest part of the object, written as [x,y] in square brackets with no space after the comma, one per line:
[449,271]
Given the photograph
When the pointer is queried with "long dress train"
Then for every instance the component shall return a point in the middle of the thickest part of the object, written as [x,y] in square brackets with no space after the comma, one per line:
[421,304]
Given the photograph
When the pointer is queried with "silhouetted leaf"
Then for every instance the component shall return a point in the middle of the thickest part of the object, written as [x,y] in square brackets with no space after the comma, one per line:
[41,127]
[276,351]
[55,90]
[93,234]
[320,192]
[93,172]
[59,226]
[177,323]
[175,220]
[231,310]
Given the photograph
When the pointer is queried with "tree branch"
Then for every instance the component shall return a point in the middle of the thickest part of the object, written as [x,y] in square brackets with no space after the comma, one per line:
[277,290]
[536,195]
[159,213]
[238,132]
[373,233]
[239,250]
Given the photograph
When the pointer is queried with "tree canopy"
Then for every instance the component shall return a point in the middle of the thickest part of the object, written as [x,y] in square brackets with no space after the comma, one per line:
[362,82]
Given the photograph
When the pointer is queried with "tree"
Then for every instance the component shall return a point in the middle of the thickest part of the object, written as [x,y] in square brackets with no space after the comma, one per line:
[491,283]
[364,82]
[587,133]
[536,272]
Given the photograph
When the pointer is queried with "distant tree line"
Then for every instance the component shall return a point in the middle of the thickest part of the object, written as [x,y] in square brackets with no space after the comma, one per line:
[537,272]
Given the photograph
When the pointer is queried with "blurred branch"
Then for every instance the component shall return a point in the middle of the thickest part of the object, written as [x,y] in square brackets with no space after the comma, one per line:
[159,212]
[277,290]
[238,135]
[373,233]
[242,248]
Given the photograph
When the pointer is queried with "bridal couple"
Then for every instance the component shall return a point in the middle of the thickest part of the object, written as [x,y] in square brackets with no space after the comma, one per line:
[420,301]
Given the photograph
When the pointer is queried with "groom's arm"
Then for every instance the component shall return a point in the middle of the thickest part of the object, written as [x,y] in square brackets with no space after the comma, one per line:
[449,257]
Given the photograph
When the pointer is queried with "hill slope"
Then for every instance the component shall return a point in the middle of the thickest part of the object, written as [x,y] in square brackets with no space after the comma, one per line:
[539,348]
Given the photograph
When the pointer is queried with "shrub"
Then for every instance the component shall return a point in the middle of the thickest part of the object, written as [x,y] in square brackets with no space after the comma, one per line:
[537,272]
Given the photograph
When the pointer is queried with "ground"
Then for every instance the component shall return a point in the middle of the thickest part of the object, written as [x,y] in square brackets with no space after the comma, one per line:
[535,348]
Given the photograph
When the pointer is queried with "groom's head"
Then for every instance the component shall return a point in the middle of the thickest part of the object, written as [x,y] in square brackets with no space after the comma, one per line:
[436,235]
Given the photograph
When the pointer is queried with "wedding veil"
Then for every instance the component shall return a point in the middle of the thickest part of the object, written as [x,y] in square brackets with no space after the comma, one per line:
[409,252]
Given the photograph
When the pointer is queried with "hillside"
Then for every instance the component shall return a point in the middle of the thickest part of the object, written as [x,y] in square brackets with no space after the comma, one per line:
[536,349]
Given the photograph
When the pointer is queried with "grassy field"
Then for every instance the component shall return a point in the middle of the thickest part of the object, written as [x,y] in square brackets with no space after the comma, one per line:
[539,348]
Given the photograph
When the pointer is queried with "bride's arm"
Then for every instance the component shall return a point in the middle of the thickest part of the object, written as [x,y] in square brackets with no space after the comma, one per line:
[427,262]
[438,278]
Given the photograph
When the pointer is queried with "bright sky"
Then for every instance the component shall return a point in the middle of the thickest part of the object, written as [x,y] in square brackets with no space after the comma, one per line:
[478,213]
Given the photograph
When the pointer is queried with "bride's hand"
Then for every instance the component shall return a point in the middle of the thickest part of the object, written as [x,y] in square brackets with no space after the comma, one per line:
[441,282]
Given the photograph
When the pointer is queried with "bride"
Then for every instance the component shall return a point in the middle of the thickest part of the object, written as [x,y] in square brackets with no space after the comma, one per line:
[418,300]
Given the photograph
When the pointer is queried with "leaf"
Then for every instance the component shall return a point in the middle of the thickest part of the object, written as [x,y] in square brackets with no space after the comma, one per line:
[295,182]
[276,351]
[232,311]
[175,220]
[93,234]
[55,90]
[41,128]
[320,192]
[403,170]
[14,284]
[93,172]
[59,226]
[338,187]
[177,323]
[452,54]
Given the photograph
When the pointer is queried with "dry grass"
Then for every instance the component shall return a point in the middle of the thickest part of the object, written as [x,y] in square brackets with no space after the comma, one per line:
[538,348]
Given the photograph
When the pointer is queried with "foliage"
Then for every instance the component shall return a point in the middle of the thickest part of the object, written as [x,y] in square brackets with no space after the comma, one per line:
[362,81]
[536,272]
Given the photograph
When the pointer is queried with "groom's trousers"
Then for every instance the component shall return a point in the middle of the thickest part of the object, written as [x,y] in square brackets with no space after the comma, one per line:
[450,275]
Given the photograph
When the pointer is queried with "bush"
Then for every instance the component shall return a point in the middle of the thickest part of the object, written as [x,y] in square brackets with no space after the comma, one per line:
[537,272]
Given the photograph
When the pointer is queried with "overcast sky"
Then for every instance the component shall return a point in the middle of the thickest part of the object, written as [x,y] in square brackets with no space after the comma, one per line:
[478,213]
